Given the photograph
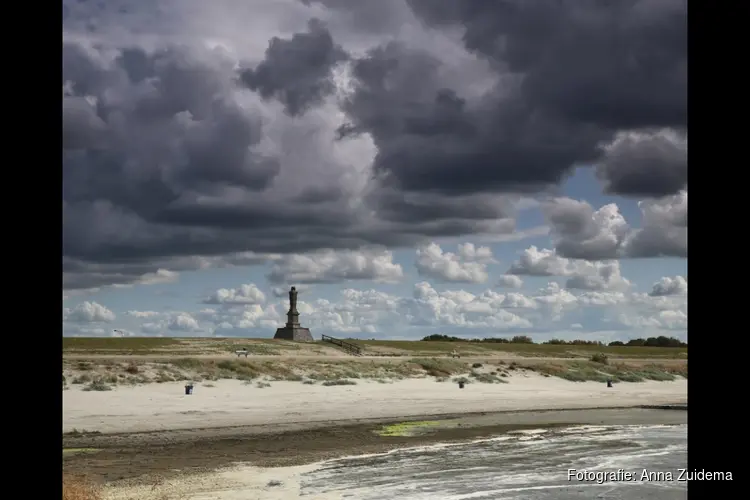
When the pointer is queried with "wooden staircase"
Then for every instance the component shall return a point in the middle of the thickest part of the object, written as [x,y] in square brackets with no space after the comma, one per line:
[352,349]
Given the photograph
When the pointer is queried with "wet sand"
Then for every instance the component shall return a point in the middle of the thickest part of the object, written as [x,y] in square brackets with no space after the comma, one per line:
[153,457]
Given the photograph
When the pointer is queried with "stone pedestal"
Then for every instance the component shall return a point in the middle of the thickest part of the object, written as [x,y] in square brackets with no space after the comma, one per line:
[296,333]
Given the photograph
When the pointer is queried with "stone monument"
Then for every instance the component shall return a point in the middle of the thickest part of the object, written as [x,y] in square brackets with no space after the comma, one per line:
[292,330]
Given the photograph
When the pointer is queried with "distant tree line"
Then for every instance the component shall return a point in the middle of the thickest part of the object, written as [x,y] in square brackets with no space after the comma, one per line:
[518,339]
[660,341]
[574,342]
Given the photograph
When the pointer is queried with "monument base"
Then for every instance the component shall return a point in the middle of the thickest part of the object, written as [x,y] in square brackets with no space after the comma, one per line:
[295,333]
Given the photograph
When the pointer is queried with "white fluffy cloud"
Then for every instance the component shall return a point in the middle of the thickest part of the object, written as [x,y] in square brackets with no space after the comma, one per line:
[468,265]
[580,232]
[172,323]
[329,266]
[88,312]
[581,274]
[553,310]
[670,286]
[509,281]
[244,294]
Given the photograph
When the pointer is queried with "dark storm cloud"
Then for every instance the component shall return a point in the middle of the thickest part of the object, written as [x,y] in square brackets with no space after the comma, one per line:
[297,71]
[573,73]
[430,139]
[160,159]
[166,157]
[171,152]
[621,64]
[647,164]
[161,120]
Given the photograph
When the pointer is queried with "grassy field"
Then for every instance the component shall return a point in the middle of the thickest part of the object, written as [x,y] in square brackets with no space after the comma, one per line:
[179,346]
[532,350]
[194,346]
[118,343]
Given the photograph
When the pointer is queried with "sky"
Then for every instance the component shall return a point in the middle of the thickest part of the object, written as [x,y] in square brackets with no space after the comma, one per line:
[413,167]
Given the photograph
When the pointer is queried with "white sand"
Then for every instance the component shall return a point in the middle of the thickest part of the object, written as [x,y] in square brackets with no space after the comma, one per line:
[232,403]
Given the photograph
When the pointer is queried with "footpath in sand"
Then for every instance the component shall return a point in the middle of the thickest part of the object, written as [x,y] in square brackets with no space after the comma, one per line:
[230,403]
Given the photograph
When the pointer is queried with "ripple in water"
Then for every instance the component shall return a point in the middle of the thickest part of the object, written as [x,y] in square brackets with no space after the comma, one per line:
[523,465]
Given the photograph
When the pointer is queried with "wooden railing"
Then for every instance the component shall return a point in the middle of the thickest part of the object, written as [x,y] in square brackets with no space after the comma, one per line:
[347,346]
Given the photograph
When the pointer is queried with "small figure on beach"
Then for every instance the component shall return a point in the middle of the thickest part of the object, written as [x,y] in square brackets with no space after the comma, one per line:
[609,382]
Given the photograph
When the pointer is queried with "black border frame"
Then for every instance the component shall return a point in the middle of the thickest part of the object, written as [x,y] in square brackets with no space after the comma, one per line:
[715,425]
[33,226]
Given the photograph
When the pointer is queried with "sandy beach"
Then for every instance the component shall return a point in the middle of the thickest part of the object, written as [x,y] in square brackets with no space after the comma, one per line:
[229,439]
[281,424]
[229,403]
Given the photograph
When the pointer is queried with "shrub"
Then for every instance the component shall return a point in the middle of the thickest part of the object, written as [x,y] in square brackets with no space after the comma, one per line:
[82,379]
[600,358]
[487,378]
[339,382]
[97,385]
[132,369]
[476,365]
[440,367]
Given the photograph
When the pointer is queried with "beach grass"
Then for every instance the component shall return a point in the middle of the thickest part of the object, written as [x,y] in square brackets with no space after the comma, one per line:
[196,345]
[103,375]
[342,381]
[583,371]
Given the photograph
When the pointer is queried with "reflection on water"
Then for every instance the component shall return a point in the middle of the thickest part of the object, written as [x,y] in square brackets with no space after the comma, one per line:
[527,464]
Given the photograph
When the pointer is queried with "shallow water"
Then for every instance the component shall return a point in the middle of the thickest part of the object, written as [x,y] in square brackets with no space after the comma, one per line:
[525,465]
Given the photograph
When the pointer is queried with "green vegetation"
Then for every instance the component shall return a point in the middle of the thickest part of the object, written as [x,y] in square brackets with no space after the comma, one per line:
[582,371]
[479,348]
[403,429]
[660,341]
[487,378]
[440,367]
[161,345]
[434,345]
[97,385]
[117,343]
[600,358]
[339,382]
[577,361]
